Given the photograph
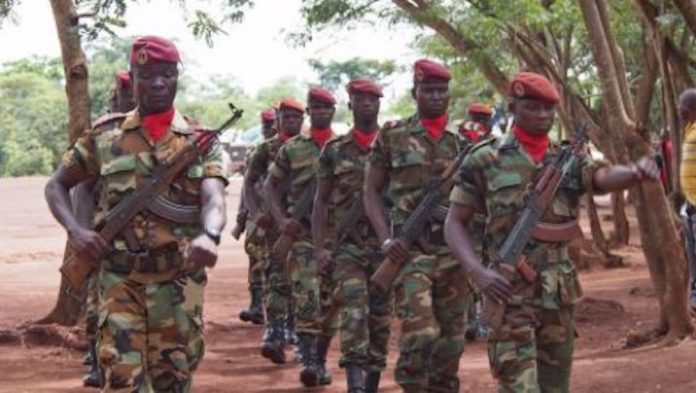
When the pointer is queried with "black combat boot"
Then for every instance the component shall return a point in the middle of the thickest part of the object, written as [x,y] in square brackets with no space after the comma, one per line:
[93,377]
[355,378]
[254,313]
[323,344]
[372,382]
[308,348]
[273,344]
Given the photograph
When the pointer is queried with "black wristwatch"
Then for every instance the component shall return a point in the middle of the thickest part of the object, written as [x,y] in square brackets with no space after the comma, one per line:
[213,234]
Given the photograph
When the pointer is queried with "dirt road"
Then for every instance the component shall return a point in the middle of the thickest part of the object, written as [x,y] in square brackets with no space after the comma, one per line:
[31,244]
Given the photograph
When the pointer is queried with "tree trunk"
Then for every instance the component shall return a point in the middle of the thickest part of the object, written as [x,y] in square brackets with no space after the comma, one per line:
[659,237]
[68,308]
[688,9]
[595,225]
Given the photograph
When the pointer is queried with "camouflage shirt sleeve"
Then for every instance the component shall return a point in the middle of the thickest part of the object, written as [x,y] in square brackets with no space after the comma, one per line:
[325,164]
[468,187]
[213,164]
[82,156]
[380,156]
[280,168]
[258,159]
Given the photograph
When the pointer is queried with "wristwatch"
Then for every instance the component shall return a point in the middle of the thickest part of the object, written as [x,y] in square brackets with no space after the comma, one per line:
[384,244]
[213,234]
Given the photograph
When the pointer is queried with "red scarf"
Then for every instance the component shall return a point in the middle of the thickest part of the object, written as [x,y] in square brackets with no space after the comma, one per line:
[435,127]
[364,139]
[284,136]
[535,145]
[320,135]
[157,124]
[471,135]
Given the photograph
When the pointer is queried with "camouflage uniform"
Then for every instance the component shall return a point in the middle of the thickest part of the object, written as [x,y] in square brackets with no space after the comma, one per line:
[532,351]
[150,311]
[277,290]
[432,291]
[296,161]
[364,309]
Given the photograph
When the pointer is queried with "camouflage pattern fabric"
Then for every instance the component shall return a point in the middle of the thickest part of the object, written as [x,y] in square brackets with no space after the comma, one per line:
[296,160]
[150,335]
[365,311]
[258,256]
[150,311]
[532,352]
[432,292]
[277,288]
[92,307]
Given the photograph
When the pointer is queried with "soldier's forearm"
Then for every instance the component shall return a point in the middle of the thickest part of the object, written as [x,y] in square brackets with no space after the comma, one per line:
[58,200]
[271,191]
[249,195]
[376,214]
[213,211]
[460,243]
[320,214]
[615,178]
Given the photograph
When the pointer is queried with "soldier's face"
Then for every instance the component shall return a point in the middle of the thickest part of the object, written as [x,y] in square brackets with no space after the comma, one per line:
[291,121]
[365,106]
[320,114]
[267,129]
[432,98]
[155,86]
[534,116]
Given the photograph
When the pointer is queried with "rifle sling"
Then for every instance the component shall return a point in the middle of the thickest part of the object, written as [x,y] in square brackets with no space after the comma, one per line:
[556,233]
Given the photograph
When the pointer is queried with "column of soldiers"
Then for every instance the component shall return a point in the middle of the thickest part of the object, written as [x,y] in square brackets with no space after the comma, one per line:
[336,211]
[368,183]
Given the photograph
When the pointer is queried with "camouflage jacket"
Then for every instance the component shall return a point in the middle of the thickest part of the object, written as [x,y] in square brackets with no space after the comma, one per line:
[412,160]
[119,152]
[343,162]
[495,179]
[296,161]
[262,156]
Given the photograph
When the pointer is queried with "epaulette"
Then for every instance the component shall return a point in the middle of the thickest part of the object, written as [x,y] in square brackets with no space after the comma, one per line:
[485,158]
[107,119]
[392,124]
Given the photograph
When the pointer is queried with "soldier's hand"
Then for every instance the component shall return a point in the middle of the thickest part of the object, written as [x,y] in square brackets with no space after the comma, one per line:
[323,257]
[648,168]
[396,250]
[202,251]
[265,221]
[88,244]
[292,227]
[492,284]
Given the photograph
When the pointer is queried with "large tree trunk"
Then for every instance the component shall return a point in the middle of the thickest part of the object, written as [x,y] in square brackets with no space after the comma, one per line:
[68,308]
[659,237]
[688,9]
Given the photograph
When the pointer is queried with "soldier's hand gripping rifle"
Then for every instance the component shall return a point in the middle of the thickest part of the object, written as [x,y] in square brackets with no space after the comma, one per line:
[301,209]
[510,258]
[412,229]
[77,270]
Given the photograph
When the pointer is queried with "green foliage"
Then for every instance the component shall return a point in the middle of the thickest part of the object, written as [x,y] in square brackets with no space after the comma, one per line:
[333,75]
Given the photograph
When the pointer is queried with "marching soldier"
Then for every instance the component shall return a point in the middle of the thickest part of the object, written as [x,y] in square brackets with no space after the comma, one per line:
[478,127]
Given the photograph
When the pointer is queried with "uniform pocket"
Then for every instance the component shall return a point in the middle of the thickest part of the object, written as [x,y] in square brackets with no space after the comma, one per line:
[505,193]
[119,174]
[569,284]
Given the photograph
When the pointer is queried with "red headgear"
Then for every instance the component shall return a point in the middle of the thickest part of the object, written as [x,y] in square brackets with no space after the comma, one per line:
[268,114]
[364,85]
[150,48]
[123,79]
[532,85]
[424,69]
[322,95]
[290,103]
[480,108]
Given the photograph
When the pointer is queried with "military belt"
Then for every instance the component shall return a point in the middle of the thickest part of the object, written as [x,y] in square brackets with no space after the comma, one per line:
[161,260]
[544,256]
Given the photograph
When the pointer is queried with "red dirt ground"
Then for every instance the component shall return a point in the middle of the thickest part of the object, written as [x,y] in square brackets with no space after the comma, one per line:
[31,244]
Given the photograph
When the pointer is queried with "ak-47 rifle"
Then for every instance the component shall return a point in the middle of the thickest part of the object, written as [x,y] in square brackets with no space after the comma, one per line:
[301,208]
[510,258]
[77,270]
[412,229]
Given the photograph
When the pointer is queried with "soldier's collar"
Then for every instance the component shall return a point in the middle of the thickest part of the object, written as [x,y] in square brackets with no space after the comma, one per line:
[508,142]
[179,123]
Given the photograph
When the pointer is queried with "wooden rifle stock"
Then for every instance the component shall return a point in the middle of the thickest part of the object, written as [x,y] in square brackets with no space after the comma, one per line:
[385,274]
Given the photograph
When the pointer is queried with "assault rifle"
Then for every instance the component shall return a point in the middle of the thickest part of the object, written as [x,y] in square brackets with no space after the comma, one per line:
[412,229]
[77,270]
[301,208]
[510,258]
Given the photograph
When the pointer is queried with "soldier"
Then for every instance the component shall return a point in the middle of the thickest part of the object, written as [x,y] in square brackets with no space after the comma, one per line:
[311,293]
[364,309]
[532,350]
[687,173]
[431,291]
[478,127]
[152,276]
[121,102]
[254,243]
[290,118]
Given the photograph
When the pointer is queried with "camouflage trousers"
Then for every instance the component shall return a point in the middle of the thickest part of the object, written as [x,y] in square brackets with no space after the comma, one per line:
[277,285]
[92,307]
[150,335]
[432,295]
[312,292]
[257,251]
[365,310]
[533,350]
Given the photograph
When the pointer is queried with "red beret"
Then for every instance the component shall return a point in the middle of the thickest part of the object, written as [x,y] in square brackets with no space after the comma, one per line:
[320,94]
[290,103]
[151,48]
[483,109]
[364,85]
[532,85]
[268,114]
[425,69]
[123,79]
